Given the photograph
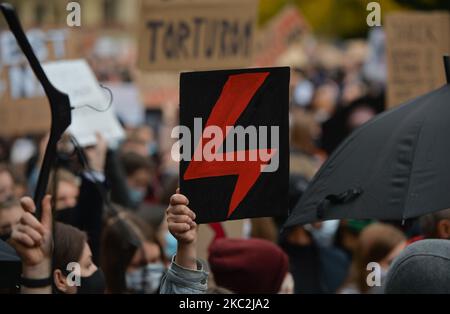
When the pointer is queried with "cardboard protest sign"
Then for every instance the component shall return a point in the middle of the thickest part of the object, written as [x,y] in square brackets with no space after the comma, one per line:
[24,108]
[76,79]
[127,103]
[196,34]
[234,145]
[158,89]
[288,28]
[415,44]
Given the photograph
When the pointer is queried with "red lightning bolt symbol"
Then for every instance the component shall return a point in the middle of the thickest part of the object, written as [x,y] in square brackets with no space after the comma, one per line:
[235,97]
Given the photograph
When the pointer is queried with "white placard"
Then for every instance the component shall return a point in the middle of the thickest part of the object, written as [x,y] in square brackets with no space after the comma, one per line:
[75,78]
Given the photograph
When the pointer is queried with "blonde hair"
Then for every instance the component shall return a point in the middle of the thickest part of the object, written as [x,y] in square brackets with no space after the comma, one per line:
[62,175]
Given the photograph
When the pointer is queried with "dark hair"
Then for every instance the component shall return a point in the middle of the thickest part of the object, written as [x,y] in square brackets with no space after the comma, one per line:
[9,170]
[429,222]
[10,203]
[132,162]
[6,168]
[121,238]
[375,242]
[69,243]
[152,214]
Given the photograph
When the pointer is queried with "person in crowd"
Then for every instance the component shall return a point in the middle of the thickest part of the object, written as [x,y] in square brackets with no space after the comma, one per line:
[315,268]
[264,228]
[186,274]
[347,235]
[146,134]
[134,144]
[325,100]
[67,190]
[74,271]
[348,118]
[305,157]
[154,215]
[421,268]
[67,247]
[7,184]
[32,239]
[10,214]
[138,172]
[132,256]
[79,191]
[378,243]
[436,225]
[10,269]
[238,265]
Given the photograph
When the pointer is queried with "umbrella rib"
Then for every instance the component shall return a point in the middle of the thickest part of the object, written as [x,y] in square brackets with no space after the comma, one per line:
[404,216]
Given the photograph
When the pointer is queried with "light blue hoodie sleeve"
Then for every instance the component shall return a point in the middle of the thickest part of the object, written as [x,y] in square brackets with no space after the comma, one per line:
[180,280]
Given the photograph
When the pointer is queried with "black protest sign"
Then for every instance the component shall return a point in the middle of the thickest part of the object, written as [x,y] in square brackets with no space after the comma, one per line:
[234,143]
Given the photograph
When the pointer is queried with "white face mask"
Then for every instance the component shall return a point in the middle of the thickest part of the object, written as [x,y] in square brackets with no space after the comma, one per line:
[146,279]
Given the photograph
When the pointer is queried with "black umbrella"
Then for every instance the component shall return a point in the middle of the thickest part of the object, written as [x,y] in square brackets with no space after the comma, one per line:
[394,167]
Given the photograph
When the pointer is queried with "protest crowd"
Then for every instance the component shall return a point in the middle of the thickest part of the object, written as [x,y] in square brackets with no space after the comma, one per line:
[115,215]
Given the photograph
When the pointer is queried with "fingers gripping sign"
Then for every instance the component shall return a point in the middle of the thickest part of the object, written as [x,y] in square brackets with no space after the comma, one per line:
[181,219]
[181,223]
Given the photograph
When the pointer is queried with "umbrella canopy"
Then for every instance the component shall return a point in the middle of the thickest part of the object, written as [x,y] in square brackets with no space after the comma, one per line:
[394,167]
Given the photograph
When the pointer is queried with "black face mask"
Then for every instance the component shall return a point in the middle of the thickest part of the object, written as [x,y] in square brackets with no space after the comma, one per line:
[67,215]
[94,284]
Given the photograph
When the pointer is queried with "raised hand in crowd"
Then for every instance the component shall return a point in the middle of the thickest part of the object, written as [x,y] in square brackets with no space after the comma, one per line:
[96,154]
[32,239]
[186,274]
[181,223]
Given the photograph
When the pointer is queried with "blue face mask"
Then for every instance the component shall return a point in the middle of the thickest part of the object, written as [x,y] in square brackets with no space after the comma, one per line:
[136,196]
[171,245]
[146,279]
[152,148]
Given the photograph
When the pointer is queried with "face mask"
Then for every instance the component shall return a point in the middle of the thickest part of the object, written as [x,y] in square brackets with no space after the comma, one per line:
[66,215]
[94,284]
[136,196]
[325,234]
[152,148]
[146,279]
[171,245]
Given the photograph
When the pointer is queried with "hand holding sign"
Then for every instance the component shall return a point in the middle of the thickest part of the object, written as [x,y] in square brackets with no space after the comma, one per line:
[182,226]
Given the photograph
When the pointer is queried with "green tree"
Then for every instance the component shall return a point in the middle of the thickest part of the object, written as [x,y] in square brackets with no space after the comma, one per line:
[331,18]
